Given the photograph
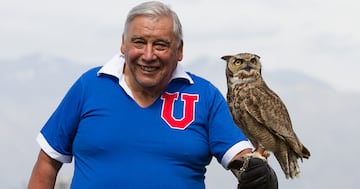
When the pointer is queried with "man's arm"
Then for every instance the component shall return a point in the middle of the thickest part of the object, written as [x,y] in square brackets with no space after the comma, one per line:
[44,172]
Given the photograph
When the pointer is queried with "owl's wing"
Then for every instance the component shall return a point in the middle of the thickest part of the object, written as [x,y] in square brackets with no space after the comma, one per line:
[268,109]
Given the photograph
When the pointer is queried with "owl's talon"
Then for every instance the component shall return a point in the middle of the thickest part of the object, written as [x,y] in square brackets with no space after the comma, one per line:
[266,154]
[262,152]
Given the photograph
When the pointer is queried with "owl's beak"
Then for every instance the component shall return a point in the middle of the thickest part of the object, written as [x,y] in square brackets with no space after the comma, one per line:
[247,66]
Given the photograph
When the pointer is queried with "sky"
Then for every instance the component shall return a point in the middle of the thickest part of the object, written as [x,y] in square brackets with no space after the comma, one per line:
[316,37]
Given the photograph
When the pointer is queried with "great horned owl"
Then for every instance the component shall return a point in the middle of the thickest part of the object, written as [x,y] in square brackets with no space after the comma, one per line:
[260,113]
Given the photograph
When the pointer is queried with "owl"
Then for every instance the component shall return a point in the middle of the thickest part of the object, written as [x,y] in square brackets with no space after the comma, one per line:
[261,114]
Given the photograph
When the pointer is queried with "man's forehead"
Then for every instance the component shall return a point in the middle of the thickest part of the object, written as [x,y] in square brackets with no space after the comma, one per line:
[150,21]
[140,37]
[146,28]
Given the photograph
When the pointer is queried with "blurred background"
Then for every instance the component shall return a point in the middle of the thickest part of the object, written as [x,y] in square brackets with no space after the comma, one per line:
[309,51]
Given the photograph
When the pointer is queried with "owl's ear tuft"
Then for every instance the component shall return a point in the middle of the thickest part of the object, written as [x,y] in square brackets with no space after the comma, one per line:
[227,57]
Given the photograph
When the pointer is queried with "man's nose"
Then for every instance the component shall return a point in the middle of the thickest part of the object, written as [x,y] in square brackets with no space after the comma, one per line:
[149,53]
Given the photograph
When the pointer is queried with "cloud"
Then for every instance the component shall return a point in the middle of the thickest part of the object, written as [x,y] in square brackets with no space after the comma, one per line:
[288,34]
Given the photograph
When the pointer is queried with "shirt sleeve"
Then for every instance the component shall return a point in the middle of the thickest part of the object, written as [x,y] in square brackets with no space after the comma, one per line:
[226,139]
[57,135]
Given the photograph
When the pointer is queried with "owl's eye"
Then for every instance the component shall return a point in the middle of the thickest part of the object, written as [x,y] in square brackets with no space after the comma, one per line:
[237,62]
[253,60]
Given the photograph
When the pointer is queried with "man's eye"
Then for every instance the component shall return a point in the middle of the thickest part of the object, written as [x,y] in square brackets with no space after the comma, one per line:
[160,46]
[139,43]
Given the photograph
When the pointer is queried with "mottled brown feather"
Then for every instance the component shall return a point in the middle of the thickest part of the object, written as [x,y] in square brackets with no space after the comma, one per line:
[260,113]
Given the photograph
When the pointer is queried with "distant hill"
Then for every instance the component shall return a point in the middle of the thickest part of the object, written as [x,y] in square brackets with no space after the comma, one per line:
[325,119]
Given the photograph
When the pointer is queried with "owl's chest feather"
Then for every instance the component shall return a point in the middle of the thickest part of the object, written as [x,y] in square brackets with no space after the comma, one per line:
[236,96]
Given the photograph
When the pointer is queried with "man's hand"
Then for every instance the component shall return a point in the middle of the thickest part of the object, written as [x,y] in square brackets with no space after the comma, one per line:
[253,172]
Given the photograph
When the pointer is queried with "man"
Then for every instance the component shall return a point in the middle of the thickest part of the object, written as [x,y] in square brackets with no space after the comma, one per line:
[140,121]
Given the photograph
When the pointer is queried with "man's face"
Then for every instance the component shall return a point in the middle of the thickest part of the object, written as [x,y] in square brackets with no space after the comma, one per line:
[151,53]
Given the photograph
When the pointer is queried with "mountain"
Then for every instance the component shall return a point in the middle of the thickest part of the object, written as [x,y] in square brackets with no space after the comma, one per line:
[324,118]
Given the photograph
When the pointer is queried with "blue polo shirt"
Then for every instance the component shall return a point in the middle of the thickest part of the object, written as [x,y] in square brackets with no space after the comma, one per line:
[115,143]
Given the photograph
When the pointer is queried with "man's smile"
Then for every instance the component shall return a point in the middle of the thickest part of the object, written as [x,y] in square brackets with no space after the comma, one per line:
[148,68]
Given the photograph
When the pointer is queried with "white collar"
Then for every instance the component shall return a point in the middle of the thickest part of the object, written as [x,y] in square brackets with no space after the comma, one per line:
[115,67]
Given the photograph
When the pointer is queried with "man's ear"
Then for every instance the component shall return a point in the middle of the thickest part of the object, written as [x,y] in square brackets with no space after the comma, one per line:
[180,50]
[122,48]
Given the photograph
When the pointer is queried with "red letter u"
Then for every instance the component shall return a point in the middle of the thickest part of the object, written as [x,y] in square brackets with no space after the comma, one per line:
[167,112]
